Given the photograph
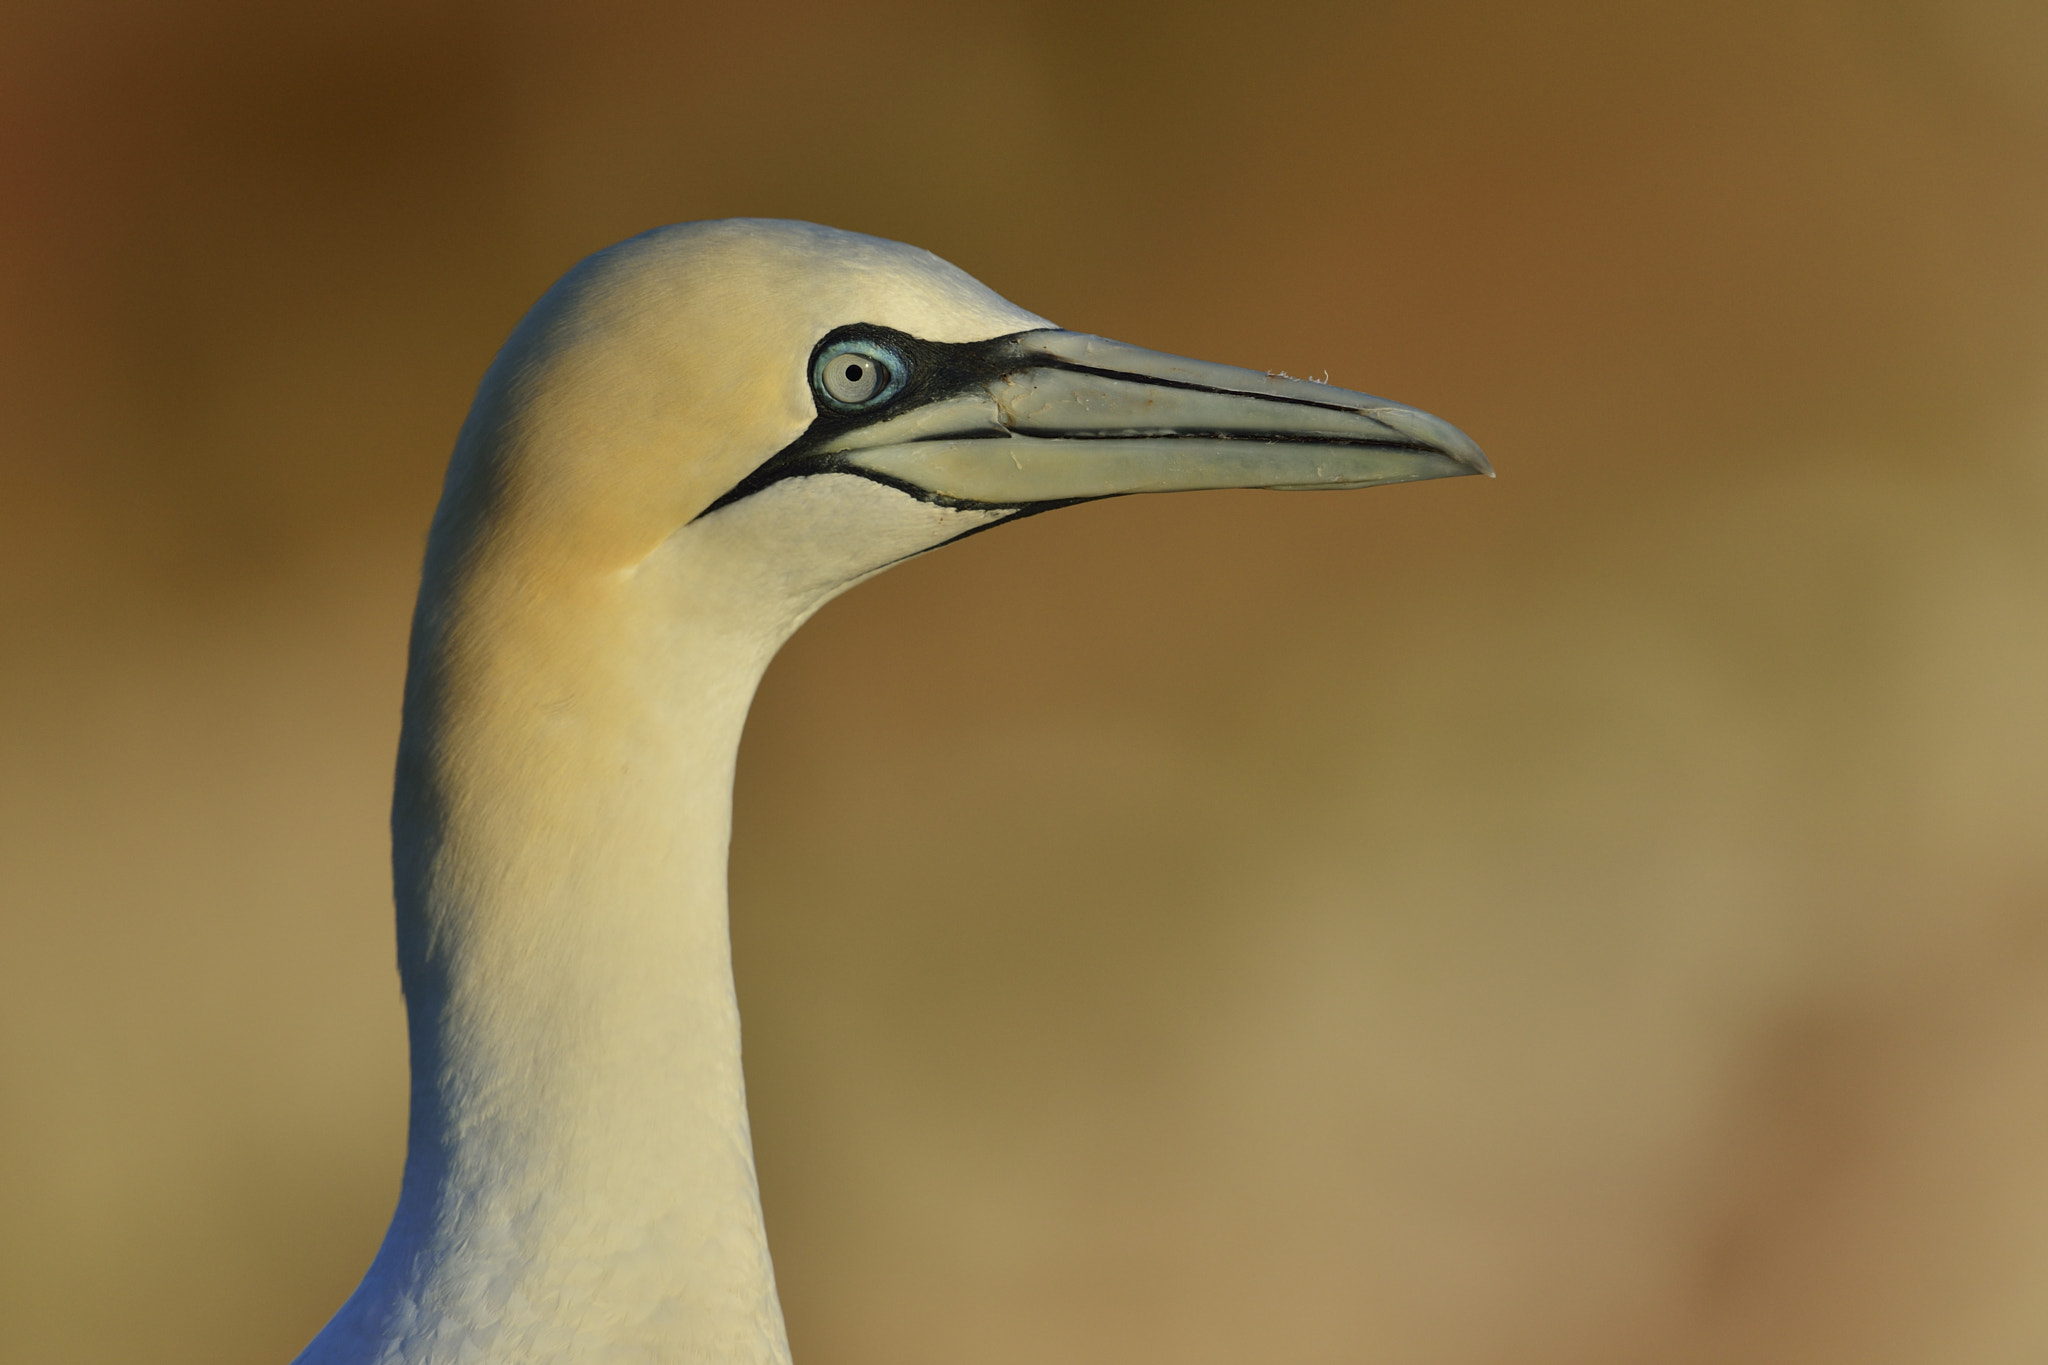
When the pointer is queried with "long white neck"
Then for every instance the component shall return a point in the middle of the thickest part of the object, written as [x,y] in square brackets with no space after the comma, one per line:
[579,1182]
[579,1179]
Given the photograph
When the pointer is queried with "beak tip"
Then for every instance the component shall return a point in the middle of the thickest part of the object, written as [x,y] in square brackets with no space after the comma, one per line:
[1465,451]
[1434,434]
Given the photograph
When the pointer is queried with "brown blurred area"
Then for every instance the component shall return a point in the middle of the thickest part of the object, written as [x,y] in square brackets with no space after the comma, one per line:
[1599,916]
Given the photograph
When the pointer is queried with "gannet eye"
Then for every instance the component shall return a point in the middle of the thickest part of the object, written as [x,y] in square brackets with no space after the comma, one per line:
[857,374]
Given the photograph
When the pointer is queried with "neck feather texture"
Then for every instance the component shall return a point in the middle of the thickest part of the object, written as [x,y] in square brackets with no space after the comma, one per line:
[579,1181]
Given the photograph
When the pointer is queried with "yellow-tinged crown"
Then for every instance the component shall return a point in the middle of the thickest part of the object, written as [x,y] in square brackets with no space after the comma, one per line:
[657,373]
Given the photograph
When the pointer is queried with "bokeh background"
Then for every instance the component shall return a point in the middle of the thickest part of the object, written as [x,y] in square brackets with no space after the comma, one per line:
[1596,916]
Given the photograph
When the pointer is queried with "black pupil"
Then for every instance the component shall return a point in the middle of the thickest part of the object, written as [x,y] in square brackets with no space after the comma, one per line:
[853,374]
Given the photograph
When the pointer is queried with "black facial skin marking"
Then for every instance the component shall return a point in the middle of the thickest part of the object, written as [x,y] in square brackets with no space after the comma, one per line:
[938,370]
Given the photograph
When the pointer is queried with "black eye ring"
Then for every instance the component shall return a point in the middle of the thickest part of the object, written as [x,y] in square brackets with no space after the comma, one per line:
[858,374]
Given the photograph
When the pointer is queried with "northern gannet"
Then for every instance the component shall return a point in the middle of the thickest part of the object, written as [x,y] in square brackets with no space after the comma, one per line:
[691,443]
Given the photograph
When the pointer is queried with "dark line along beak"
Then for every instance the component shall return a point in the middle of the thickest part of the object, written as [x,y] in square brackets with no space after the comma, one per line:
[1062,416]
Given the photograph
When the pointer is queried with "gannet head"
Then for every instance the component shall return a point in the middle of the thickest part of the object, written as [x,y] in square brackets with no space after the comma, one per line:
[838,402]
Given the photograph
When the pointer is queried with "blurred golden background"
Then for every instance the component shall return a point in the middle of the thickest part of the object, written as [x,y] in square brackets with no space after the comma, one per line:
[1598,916]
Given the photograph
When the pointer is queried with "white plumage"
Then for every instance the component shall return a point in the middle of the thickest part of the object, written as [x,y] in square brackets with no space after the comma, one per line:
[693,442]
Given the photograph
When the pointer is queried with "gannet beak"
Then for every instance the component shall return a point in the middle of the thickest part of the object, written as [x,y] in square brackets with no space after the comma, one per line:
[1048,417]
[1059,416]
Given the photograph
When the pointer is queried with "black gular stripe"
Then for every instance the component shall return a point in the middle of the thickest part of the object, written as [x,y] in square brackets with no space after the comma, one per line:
[941,370]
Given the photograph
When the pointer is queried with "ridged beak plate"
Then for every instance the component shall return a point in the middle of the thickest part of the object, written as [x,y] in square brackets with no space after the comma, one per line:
[1061,416]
